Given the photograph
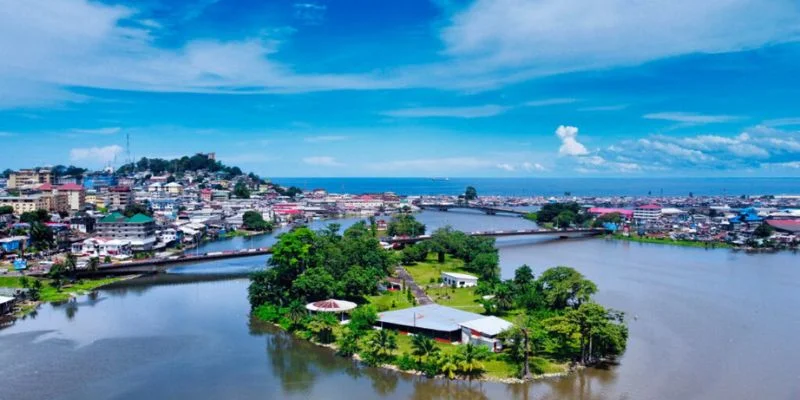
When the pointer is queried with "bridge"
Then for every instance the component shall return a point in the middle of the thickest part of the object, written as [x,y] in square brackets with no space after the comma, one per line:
[489,210]
[561,234]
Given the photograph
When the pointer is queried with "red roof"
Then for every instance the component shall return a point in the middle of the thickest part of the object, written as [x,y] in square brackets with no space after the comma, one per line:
[46,186]
[603,211]
[650,207]
[791,225]
[71,187]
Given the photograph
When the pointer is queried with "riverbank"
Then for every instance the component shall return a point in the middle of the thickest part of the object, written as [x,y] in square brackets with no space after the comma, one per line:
[51,294]
[672,242]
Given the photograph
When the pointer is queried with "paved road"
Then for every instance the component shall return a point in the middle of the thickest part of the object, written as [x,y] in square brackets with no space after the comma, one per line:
[419,294]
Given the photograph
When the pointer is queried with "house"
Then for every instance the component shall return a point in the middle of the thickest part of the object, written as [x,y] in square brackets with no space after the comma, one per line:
[13,244]
[7,305]
[206,194]
[155,187]
[83,224]
[101,247]
[29,178]
[647,213]
[173,188]
[455,279]
[484,331]
[437,321]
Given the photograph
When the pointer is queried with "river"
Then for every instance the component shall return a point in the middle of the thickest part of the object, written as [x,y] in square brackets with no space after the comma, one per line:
[704,324]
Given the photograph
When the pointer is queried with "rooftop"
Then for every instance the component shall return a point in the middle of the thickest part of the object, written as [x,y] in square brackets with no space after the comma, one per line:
[458,275]
[432,316]
[488,325]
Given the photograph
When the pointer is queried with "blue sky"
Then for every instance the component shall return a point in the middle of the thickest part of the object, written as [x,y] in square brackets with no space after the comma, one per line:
[489,88]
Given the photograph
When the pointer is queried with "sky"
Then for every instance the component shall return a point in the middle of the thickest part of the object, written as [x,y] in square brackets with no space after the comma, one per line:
[445,88]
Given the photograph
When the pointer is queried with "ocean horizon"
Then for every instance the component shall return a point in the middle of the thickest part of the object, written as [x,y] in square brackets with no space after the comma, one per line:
[524,187]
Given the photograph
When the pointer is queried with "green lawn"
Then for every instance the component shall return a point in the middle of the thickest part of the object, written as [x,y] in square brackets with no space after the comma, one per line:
[684,243]
[461,298]
[390,301]
[431,269]
[50,293]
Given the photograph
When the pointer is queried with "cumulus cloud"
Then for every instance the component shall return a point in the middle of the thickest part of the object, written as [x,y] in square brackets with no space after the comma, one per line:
[323,161]
[528,166]
[97,154]
[569,142]
[488,110]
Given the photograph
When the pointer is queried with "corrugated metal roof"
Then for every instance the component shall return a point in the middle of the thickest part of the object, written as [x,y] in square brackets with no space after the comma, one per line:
[488,325]
[432,316]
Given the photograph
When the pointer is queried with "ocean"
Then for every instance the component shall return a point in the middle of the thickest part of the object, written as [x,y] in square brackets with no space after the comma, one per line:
[523,187]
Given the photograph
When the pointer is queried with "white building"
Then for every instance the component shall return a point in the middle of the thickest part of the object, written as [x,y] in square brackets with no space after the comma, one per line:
[100,247]
[484,332]
[649,212]
[459,280]
[173,188]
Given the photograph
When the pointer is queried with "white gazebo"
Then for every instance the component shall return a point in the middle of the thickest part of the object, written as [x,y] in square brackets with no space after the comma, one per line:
[331,306]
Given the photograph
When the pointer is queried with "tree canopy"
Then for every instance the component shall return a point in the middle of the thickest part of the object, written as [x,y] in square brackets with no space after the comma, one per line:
[470,193]
[313,266]
[253,221]
[197,162]
[39,215]
[560,214]
[405,225]
[241,190]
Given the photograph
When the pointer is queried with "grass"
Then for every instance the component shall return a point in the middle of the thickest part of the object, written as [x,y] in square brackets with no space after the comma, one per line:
[668,241]
[51,294]
[390,300]
[461,298]
[431,269]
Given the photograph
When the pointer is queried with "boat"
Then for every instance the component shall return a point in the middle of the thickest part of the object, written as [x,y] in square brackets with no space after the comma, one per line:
[440,179]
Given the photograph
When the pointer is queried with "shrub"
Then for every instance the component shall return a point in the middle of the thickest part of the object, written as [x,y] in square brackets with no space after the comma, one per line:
[267,312]
[405,362]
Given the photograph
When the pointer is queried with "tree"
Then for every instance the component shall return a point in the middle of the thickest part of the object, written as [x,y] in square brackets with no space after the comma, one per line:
[71,264]
[6,210]
[363,318]
[297,311]
[381,344]
[241,190]
[31,217]
[93,264]
[405,225]
[423,346]
[469,360]
[764,231]
[253,221]
[565,287]
[137,208]
[321,326]
[486,265]
[565,218]
[600,333]
[41,235]
[314,284]
[348,342]
[470,193]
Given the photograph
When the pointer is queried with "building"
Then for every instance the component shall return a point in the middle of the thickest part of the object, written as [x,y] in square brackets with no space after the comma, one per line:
[206,195]
[455,279]
[646,213]
[99,181]
[791,226]
[54,200]
[484,331]
[83,224]
[437,321]
[101,247]
[22,204]
[29,178]
[119,197]
[7,305]
[75,195]
[139,229]
[13,244]
[173,188]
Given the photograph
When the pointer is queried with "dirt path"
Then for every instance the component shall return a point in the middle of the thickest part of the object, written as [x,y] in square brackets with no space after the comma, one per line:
[419,294]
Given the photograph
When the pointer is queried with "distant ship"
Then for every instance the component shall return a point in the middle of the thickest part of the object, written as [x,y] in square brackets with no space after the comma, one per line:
[440,179]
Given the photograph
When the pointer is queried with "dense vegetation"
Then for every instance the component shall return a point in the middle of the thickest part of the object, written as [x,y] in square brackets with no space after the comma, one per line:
[252,220]
[308,266]
[560,215]
[405,225]
[197,162]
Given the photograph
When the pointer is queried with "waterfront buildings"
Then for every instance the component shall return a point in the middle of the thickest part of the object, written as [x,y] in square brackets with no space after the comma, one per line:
[647,213]
[484,331]
[139,229]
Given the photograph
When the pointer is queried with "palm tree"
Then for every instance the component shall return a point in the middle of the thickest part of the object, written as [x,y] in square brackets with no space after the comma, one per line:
[423,346]
[71,263]
[382,343]
[93,265]
[297,311]
[322,327]
[448,366]
[469,364]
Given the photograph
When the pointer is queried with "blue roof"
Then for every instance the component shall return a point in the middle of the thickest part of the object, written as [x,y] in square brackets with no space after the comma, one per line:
[432,316]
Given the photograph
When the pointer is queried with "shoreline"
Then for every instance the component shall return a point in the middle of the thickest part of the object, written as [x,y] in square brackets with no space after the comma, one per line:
[508,381]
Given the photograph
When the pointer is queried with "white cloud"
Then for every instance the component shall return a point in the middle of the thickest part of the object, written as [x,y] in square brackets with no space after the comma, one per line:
[528,166]
[325,139]
[99,131]
[506,167]
[569,143]
[97,154]
[323,161]
[674,150]
[781,122]
[488,110]
[549,36]
[691,118]
[549,102]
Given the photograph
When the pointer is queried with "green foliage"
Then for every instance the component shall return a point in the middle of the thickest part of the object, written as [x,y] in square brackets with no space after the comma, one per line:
[405,362]
[380,346]
[613,217]
[137,208]
[32,217]
[41,236]
[561,214]
[253,221]
[291,191]
[423,346]
[588,333]
[405,225]
[363,318]
[197,162]
[6,210]
[413,254]
[348,342]
[470,193]
[321,327]
[268,313]
[764,231]
[565,287]
[241,190]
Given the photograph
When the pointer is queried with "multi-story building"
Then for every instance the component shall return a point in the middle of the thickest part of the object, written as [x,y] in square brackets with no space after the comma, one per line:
[29,178]
[645,213]
[139,229]
[99,181]
[119,197]
[76,195]
[22,204]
